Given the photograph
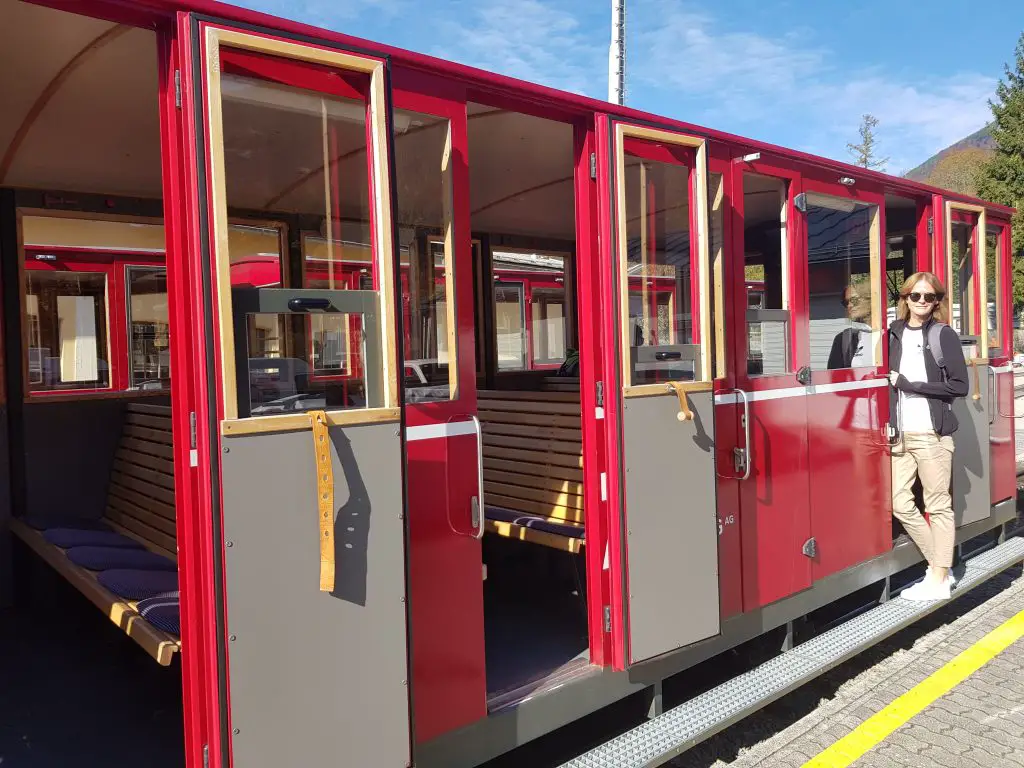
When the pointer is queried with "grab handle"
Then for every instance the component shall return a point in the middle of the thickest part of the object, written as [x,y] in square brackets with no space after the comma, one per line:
[477,502]
[742,456]
[308,304]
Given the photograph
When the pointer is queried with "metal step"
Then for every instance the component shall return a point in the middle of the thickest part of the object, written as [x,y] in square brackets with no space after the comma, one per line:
[672,733]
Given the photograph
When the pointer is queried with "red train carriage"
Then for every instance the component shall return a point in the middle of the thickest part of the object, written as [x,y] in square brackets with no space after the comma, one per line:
[449,409]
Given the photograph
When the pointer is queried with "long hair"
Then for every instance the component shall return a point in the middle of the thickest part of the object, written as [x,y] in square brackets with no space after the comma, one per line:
[941,311]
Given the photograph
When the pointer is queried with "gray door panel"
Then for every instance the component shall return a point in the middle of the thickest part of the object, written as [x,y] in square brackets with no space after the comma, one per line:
[972,456]
[671,524]
[316,678]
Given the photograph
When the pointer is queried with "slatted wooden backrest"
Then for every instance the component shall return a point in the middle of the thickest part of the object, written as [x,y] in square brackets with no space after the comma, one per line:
[533,453]
[140,498]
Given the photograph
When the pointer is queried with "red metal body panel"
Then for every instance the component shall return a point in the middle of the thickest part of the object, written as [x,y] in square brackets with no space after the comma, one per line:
[445,560]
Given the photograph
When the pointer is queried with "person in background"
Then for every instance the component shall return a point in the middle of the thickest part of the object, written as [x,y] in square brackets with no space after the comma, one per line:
[850,346]
[926,394]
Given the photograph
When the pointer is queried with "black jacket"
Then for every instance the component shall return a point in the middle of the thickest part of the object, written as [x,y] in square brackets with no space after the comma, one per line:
[844,347]
[941,390]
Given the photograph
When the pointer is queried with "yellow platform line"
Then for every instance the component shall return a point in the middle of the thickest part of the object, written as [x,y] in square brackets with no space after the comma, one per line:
[877,727]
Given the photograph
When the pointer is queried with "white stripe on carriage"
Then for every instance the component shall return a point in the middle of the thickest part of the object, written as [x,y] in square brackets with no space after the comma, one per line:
[434,431]
[813,389]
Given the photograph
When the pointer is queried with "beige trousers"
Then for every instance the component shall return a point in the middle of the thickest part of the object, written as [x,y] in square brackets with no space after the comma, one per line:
[930,457]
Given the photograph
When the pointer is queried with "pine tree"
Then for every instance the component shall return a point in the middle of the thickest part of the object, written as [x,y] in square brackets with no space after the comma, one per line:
[1001,179]
[864,153]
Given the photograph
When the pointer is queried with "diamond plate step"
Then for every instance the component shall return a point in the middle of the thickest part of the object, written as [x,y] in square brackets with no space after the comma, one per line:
[672,733]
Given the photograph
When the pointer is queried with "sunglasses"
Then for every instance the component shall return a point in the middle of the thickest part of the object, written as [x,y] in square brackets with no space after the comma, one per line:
[849,301]
[928,297]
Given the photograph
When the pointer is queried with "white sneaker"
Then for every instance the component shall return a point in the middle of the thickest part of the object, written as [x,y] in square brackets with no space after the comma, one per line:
[926,591]
[949,575]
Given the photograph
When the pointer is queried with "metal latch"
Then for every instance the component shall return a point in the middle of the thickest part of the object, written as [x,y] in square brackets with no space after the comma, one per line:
[800,202]
[931,226]
[177,88]
[804,375]
[593,165]
[810,548]
[739,460]
[599,394]
[607,618]
[206,756]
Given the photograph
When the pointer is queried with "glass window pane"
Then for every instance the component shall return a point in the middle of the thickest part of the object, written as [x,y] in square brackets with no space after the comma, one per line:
[149,350]
[510,326]
[305,154]
[716,241]
[962,290]
[658,272]
[765,273]
[67,330]
[423,179]
[548,327]
[839,276]
[994,283]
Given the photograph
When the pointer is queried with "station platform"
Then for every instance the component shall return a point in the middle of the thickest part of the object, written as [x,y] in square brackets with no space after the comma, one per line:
[947,691]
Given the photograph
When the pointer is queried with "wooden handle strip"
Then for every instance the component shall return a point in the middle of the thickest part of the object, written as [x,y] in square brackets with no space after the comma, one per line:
[324,497]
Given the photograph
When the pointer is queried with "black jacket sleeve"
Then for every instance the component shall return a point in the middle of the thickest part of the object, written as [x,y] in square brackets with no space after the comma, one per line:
[835,356]
[955,385]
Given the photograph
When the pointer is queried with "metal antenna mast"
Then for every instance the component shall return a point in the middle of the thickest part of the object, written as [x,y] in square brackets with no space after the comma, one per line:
[617,54]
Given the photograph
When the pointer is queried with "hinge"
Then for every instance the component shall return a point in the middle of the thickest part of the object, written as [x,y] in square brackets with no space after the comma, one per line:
[607,618]
[599,394]
[604,486]
[593,165]
[177,88]
[810,548]
[206,756]
[800,202]
[931,226]
[193,454]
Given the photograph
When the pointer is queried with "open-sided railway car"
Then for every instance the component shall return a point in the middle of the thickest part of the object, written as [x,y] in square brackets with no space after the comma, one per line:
[411,412]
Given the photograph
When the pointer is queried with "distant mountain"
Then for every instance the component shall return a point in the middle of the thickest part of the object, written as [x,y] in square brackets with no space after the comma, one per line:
[954,168]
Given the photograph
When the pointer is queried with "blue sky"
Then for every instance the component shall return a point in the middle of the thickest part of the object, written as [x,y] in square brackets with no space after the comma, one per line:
[793,72]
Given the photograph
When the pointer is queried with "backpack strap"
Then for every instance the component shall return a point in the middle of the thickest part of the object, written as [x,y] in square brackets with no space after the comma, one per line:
[935,345]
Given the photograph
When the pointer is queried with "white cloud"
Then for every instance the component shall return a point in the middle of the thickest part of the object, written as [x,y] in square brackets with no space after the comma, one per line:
[789,91]
[529,39]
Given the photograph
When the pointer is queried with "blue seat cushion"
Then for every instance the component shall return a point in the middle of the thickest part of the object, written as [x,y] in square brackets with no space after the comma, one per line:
[45,522]
[163,612]
[66,538]
[133,584]
[105,558]
[534,522]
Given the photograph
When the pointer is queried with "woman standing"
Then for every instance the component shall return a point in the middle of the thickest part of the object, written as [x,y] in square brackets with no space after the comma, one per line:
[926,394]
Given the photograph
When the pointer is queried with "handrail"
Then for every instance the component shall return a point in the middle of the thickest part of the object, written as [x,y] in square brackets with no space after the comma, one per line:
[685,411]
[745,452]
[477,502]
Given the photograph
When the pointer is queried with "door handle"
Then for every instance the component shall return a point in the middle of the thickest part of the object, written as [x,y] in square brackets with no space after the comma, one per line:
[804,375]
[308,304]
[477,509]
[741,457]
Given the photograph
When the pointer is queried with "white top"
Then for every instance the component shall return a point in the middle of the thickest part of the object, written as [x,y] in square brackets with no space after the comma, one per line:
[916,415]
[862,355]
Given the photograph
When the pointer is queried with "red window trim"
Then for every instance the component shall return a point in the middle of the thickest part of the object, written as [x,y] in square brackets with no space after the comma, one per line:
[114,265]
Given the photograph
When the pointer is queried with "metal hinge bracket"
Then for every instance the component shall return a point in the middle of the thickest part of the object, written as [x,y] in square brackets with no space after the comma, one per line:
[206,756]
[593,165]
[177,88]
[931,226]
[800,202]
[193,453]
[599,394]
[607,618]
[810,547]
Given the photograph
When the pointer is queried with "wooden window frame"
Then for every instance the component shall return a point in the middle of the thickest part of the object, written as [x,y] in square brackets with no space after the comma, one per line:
[980,277]
[699,235]
[217,38]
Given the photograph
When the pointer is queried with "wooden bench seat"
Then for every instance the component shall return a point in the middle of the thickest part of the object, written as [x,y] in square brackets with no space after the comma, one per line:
[140,505]
[533,466]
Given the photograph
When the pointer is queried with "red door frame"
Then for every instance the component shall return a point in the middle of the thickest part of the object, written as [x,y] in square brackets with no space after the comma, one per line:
[445,556]
[854,527]
[777,489]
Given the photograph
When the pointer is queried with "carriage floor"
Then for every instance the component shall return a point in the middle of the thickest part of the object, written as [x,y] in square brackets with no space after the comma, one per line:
[533,641]
[74,690]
